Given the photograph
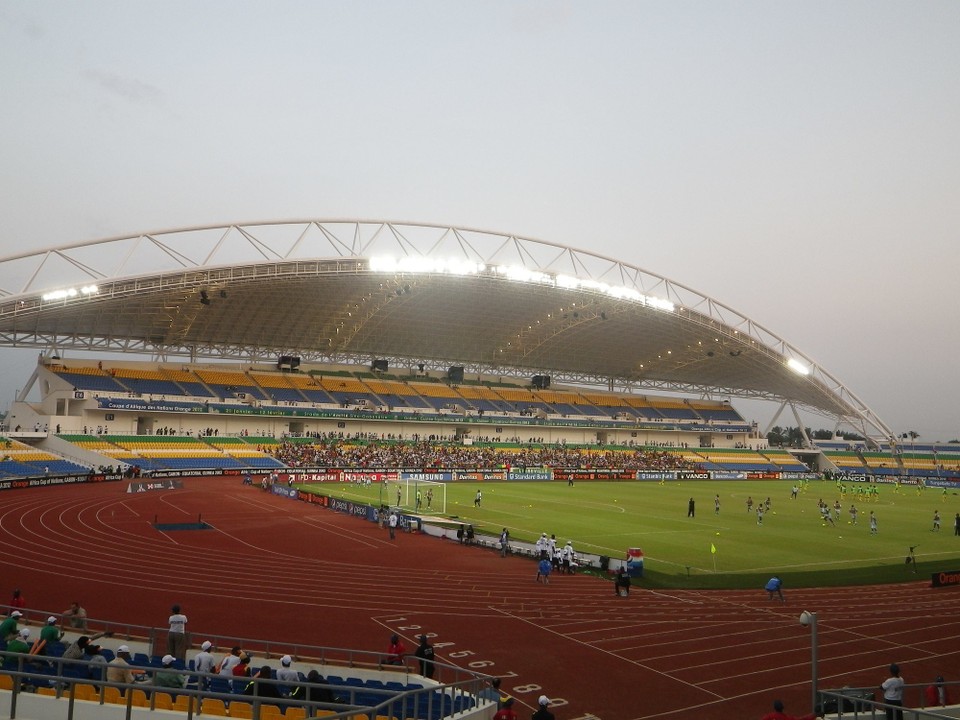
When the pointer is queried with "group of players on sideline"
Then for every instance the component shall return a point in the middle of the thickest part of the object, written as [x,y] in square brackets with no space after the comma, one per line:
[234,666]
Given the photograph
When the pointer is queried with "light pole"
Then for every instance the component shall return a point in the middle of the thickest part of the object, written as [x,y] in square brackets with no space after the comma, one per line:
[810,618]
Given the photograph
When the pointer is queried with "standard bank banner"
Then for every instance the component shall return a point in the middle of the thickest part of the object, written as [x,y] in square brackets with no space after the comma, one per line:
[646,475]
[538,474]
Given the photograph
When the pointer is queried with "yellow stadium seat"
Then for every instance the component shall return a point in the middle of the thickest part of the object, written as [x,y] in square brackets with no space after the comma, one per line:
[163,701]
[183,703]
[240,709]
[295,713]
[214,706]
[84,691]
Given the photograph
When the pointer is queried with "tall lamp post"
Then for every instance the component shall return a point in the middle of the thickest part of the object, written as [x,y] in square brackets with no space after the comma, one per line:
[810,618]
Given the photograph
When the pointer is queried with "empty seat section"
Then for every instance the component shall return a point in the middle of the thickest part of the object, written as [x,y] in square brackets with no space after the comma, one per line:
[277,387]
[226,384]
[89,378]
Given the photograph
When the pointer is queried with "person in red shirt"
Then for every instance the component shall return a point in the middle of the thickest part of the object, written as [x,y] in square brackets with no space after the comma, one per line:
[938,694]
[17,602]
[778,714]
[506,712]
[396,651]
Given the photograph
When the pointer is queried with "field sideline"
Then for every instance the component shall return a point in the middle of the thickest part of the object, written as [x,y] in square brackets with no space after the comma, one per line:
[608,517]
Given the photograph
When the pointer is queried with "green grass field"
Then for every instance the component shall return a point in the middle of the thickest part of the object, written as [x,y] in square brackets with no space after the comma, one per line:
[608,517]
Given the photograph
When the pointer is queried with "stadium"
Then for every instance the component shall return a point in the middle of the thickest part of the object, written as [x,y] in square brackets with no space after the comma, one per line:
[308,357]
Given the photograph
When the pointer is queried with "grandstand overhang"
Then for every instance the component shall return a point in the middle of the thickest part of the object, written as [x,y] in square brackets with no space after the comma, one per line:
[351,291]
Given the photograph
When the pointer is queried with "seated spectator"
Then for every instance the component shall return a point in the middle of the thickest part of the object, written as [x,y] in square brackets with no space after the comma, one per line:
[287,674]
[50,632]
[241,670]
[91,653]
[20,643]
[204,662]
[311,692]
[169,676]
[263,689]
[230,661]
[396,651]
[119,669]
[937,694]
[75,650]
[76,616]
[621,584]
[8,628]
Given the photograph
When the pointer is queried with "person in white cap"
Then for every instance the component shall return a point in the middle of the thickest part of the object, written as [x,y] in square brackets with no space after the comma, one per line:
[553,553]
[169,676]
[287,674]
[568,556]
[204,662]
[50,632]
[8,627]
[542,713]
[118,669]
[21,643]
[543,546]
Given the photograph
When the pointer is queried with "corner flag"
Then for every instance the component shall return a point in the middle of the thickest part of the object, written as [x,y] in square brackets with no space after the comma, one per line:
[713,549]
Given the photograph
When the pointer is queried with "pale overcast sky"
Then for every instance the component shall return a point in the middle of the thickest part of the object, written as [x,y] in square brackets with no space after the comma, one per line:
[798,161]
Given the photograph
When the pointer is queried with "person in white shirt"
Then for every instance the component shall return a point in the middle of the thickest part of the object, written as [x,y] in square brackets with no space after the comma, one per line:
[287,674]
[568,557]
[542,546]
[231,660]
[177,637]
[893,693]
[204,662]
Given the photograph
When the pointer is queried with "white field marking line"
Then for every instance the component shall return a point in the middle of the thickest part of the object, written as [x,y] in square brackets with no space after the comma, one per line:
[127,506]
[249,545]
[671,597]
[163,533]
[826,625]
[606,652]
[260,505]
[352,534]
[163,499]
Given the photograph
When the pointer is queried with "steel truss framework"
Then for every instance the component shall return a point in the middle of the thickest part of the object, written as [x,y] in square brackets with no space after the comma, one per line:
[312,288]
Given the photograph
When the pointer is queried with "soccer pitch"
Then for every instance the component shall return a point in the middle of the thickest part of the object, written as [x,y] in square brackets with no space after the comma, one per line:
[606,518]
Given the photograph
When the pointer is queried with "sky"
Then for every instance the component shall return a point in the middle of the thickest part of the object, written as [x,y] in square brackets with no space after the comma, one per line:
[797,161]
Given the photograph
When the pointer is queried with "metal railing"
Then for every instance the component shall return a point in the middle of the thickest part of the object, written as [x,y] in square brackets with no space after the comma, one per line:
[855,702]
[67,679]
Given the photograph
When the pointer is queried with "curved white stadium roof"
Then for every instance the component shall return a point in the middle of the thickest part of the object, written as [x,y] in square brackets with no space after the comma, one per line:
[409,293]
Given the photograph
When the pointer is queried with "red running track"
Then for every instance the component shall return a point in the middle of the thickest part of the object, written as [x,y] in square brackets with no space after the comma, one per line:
[293,572]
